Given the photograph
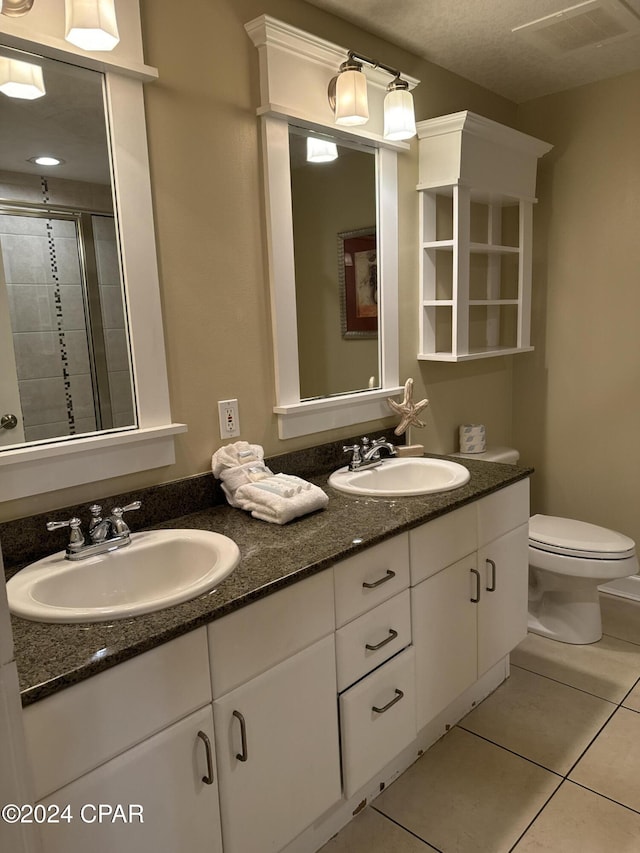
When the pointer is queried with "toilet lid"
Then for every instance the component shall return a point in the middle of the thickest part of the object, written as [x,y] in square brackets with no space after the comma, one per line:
[578,539]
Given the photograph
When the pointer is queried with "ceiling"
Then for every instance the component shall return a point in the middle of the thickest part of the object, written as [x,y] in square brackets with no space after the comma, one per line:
[590,41]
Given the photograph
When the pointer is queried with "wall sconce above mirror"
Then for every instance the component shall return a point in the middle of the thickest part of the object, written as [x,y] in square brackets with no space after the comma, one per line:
[348,98]
[84,370]
[89,24]
[353,246]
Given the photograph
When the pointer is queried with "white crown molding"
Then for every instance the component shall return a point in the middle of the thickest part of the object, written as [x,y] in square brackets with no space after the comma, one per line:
[468,122]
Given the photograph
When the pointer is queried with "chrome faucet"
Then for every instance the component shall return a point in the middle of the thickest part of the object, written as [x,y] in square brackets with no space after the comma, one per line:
[367,455]
[105,534]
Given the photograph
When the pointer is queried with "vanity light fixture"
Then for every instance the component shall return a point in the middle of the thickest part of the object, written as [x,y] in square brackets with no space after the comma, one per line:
[91,24]
[321,150]
[348,98]
[19,79]
[15,8]
[399,116]
[348,92]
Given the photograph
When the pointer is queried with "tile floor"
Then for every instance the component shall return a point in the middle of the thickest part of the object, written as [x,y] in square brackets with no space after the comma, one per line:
[549,762]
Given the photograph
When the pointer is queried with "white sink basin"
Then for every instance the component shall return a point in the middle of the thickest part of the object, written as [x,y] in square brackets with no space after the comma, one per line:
[402,477]
[158,569]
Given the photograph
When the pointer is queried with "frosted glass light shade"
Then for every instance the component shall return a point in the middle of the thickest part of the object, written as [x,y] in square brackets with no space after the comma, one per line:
[399,117]
[91,24]
[20,79]
[321,150]
[351,99]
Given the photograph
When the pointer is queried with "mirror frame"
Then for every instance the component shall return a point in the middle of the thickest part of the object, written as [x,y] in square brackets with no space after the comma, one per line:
[295,70]
[57,464]
[301,417]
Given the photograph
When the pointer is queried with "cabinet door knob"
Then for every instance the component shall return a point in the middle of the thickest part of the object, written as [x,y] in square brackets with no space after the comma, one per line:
[208,778]
[478,584]
[392,635]
[397,698]
[387,577]
[244,754]
[492,585]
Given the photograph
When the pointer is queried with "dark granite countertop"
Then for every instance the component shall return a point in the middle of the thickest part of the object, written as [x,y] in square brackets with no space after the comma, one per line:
[51,657]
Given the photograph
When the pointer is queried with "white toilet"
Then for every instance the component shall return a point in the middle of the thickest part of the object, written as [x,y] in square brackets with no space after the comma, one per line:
[568,560]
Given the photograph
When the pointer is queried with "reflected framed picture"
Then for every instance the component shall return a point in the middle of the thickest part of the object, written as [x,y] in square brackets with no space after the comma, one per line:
[358,281]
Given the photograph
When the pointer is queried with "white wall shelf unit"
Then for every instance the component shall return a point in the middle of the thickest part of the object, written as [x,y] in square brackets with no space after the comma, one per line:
[476,189]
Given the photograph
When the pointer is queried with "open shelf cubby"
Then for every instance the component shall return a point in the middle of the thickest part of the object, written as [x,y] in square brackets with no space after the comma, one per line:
[476,189]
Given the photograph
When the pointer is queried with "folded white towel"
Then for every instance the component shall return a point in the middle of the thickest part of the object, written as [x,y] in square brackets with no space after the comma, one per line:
[267,505]
[248,484]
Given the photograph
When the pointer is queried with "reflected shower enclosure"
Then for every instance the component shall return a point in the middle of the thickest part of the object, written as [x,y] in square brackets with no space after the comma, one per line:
[60,272]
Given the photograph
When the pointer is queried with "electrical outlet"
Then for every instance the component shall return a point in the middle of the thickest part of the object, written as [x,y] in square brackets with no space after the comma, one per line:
[229,419]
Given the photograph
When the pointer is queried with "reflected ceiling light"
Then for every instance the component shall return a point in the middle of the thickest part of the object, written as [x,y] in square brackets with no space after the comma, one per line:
[399,117]
[91,24]
[348,98]
[19,79]
[46,160]
[321,150]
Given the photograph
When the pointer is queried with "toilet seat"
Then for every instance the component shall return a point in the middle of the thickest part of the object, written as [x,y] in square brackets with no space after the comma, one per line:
[570,538]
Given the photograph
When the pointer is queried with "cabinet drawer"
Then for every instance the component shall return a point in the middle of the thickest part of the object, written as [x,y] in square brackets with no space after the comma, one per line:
[367,579]
[502,511]
[252,640]
[441,542]
[373,638]
[85,725]
[377,720]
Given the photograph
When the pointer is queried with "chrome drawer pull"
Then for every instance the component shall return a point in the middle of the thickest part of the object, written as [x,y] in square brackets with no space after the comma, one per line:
[492,586]
[384,579]
[392,635]
[208,779]
[397,698]
[242,756]
[477,574]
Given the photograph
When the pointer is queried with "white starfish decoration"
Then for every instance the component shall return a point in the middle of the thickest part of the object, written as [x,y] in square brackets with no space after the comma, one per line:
[407,409]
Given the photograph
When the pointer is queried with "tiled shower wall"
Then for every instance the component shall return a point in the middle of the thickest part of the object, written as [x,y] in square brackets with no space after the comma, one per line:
[44,286]
[43,282]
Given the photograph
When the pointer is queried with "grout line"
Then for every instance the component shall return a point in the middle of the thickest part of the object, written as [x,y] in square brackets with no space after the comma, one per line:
[630,690]
[624,639]
[573,687]
[397,823]
[604,796]
[536,816]
[591,742]
[512,751]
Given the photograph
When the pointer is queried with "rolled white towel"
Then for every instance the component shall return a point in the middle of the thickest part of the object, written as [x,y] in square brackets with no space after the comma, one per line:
[250,472]
[232,455]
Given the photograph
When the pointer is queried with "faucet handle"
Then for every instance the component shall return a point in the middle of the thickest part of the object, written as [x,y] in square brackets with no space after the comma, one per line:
[120,526]
[76,539]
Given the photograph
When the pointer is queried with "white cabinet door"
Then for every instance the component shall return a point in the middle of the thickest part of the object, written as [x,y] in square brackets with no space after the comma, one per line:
[502,612]
[278,751]
[443,618]
[160,786]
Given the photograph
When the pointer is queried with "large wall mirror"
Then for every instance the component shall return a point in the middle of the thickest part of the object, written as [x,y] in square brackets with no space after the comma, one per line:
[333,199]
[64,338]
[332,237]
[83,360]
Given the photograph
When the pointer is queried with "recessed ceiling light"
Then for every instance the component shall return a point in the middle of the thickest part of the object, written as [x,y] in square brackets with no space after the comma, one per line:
[46,161]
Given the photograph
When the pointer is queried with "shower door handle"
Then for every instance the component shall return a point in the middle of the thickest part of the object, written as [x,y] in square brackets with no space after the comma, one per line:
[8,421]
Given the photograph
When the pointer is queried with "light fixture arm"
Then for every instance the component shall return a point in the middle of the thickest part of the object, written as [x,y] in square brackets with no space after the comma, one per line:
[398,83]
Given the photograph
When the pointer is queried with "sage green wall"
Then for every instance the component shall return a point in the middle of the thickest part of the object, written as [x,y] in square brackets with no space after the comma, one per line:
[206,178]
[577,397]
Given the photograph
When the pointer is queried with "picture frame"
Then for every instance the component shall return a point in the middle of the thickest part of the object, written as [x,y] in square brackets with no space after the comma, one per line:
[358,282]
